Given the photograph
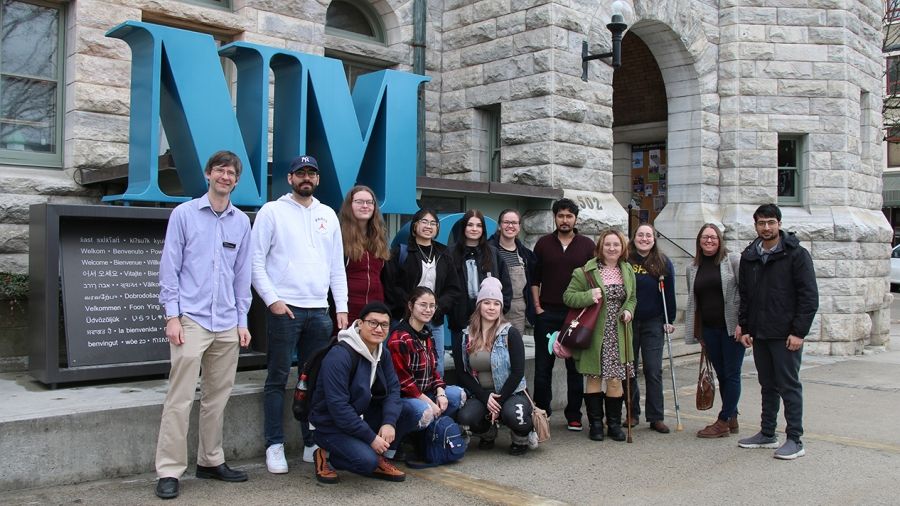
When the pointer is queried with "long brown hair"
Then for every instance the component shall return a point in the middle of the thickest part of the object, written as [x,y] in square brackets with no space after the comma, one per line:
[720,254]
[355,242]
[598,248]
[477,341]
[459,249]
[656,263]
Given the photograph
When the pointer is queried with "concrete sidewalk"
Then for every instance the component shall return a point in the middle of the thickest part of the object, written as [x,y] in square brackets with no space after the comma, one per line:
[852,442]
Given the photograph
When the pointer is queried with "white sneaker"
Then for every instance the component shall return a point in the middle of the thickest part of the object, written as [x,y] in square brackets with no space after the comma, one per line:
[309,453]
[275,461]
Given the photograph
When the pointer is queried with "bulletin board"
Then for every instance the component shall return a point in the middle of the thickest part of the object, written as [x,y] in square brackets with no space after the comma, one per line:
[649,180]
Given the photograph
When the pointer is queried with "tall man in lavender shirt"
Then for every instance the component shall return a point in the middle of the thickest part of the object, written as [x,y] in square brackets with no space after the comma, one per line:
[204,284]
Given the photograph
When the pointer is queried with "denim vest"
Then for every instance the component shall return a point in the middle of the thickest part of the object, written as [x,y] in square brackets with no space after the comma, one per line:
[499,358]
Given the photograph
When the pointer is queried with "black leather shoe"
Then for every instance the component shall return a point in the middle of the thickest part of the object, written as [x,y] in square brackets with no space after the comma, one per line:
[167,488]
[221,472]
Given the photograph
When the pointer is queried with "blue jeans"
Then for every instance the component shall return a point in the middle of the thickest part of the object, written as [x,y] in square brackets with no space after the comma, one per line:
[437,333]
[649,338]
[349,453]
[413,412]
[727,357]
[307,333]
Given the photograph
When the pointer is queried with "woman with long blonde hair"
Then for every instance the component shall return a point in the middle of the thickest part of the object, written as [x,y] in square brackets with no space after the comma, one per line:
[490,365]
[365,248]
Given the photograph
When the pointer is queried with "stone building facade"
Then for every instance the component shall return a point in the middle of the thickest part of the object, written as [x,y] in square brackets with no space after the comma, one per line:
[753,101]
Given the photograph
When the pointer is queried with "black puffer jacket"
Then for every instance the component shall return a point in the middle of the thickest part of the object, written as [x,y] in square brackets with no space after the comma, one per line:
[780,297]
[400,279]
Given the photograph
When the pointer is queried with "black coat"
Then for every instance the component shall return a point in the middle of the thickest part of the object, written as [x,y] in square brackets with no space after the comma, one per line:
[399,280]
[458,318]
[530,260]
[778,298]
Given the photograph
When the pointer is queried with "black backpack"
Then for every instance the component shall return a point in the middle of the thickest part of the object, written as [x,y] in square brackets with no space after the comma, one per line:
[309,375]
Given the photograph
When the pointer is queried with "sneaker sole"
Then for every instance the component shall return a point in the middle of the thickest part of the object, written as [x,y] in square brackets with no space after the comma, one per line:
[793,456]
[277,470]
[574,429]
[762,445]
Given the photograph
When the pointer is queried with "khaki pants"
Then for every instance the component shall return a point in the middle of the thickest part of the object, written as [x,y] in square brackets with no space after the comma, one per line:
[217,354]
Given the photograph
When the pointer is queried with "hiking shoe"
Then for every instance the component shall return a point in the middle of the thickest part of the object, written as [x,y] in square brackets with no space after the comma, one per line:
[714,430]
[387,471]
[309,453]
[759,441]
[324,472]
[790,450]
[275,461]
[575,426]
[517,449]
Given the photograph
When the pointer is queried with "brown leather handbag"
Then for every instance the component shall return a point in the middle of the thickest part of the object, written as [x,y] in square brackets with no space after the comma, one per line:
[577,331]
[706,383]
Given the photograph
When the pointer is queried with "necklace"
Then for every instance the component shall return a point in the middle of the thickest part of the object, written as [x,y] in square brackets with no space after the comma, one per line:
[430,256]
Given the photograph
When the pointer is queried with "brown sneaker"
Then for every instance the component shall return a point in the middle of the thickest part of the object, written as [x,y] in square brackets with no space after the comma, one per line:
[718,429]
[324,471]
[733,425]
[387,471]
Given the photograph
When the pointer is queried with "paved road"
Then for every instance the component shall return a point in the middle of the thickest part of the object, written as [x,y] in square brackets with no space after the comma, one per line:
[852,408]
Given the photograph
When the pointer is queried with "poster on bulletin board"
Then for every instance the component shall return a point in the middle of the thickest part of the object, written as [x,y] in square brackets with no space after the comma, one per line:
[649,180]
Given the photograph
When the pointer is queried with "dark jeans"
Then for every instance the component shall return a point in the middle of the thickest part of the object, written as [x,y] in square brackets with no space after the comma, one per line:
[349,453]
[778,371]
[548,322]
[515,414]
[648,339]
[308,332]
[727,357]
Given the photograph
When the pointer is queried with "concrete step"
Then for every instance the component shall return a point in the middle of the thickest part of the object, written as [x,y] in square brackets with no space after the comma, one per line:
[96,431]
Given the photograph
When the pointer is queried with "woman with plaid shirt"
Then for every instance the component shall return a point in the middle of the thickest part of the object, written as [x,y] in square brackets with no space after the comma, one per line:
[424,394]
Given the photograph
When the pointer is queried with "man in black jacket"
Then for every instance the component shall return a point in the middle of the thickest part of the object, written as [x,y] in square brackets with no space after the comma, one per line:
[779,299]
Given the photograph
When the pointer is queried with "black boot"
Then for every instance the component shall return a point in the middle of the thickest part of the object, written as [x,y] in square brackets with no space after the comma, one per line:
[593,404]
[614,418]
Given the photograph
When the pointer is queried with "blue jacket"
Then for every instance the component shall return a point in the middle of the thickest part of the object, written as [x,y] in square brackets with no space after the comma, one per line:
[339,400]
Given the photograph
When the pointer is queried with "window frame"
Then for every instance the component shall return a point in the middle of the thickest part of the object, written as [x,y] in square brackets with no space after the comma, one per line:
[373,18]
[48,160]
[799,168]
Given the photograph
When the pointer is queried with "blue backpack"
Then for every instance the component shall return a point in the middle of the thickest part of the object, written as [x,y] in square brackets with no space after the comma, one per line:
[444,442]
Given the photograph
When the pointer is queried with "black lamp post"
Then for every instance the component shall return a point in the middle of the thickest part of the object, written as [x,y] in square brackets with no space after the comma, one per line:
[616,27]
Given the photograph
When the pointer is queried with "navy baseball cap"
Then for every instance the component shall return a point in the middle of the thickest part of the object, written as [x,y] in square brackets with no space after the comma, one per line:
[303,162]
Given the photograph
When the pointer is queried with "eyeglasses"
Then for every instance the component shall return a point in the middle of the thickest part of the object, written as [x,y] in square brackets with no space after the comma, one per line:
[709,238]
[374,324]
[223,171]
[509,223]
[425,307]
[306,173]
[361,202]
[766,223]
[428,223]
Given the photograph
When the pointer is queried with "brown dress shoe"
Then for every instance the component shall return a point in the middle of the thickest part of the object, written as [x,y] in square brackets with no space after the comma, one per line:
[324,472]
[660,427]
[718,429]
[733,425]
[387,471]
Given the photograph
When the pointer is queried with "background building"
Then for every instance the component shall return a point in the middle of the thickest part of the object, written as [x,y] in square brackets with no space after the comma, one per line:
[719,106]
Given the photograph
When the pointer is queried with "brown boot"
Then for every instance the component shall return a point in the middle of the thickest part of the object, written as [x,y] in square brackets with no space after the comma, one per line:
[733,425]
[718,429]
[324,472]
[387,471]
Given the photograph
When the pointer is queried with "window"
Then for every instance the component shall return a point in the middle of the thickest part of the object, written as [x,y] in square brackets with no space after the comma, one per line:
[31,83]
[892,10]
[488,126]
[790,169]
[354,19]
[892,76]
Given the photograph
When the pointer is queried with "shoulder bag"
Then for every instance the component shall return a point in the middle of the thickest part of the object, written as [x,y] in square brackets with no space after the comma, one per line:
[578,327]
[540,421]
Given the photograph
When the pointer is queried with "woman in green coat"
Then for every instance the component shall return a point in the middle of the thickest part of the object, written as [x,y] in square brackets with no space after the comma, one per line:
[607,360]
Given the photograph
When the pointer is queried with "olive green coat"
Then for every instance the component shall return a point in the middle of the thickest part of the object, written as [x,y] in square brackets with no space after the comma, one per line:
[578,295]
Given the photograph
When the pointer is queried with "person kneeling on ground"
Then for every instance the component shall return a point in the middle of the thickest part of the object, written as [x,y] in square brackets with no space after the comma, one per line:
[424,394]
[356,401]
[490,360]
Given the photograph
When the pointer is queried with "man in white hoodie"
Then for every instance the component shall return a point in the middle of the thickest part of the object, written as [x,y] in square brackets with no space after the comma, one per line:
[297,256]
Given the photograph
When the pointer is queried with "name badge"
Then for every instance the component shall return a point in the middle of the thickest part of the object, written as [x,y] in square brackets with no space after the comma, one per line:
[230,245]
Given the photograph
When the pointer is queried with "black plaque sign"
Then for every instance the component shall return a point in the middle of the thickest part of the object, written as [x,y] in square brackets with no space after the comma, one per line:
[111,291]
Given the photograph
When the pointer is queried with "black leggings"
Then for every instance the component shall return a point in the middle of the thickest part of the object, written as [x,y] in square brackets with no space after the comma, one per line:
[515,414]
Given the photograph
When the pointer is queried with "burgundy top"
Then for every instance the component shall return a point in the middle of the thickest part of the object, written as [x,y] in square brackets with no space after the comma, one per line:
[555,265]
[363,283]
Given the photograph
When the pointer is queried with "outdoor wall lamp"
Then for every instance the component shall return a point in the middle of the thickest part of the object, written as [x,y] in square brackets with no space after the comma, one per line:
[616,27]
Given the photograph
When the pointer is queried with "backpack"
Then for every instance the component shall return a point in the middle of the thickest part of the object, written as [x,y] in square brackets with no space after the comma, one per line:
[444,442]
[309,375]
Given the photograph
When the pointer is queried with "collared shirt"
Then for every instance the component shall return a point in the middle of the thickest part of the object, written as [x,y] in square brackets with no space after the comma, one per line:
[765,253]
[204,272]
[415,361]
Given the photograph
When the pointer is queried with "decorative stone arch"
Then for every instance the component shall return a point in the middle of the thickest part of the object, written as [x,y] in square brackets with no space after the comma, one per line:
[395,22]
